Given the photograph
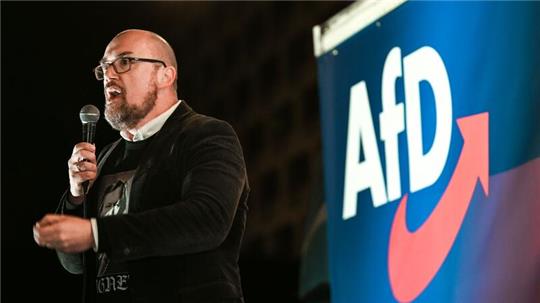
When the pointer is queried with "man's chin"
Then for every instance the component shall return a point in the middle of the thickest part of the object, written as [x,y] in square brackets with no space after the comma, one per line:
[114,119]
[113,124]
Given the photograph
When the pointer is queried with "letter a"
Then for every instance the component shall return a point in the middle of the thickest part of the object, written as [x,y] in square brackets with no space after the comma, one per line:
[367,174]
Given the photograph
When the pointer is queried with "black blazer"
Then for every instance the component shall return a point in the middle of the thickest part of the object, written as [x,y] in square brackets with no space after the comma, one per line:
[188,207]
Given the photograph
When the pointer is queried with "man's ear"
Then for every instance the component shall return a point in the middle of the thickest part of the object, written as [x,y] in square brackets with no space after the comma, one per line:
[167,76]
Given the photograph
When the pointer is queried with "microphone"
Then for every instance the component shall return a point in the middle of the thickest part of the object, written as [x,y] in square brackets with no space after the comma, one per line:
[89,115]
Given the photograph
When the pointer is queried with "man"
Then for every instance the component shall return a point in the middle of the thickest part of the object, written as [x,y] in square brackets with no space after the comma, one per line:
[167,202]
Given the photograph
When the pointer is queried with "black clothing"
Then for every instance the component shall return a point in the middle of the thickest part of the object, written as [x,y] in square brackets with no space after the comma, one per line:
[187,213]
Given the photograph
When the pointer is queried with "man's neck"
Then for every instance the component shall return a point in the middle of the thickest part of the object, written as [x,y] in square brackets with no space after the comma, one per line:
[158,109]
[150,124]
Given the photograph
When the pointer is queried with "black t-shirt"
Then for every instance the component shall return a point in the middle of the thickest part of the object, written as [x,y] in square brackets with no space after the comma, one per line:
[113,189]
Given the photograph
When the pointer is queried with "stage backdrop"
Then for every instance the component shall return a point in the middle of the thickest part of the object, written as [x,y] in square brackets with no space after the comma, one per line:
[431,141]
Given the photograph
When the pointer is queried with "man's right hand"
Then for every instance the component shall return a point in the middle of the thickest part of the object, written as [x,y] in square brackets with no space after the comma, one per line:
[81,168]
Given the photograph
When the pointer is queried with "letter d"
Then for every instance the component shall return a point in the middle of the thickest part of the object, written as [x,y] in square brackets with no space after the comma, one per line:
[426,64]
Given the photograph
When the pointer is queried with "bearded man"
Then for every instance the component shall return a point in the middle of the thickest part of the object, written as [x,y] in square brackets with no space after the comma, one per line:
[167,202]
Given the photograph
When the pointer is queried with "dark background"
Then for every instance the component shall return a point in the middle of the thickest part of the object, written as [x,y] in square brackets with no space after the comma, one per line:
[249,63]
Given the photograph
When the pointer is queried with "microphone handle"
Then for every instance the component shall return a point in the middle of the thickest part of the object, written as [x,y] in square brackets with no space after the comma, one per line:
[88,132]
[85,186]
[85,207]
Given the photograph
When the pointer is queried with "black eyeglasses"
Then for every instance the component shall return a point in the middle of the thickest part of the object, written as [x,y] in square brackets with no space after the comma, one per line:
[121,65]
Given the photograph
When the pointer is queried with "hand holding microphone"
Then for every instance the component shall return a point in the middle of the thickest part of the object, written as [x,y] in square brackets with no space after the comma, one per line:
[82,165]
[71,234]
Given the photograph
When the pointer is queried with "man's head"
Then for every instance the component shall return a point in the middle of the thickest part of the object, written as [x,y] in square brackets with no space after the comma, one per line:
[139,77]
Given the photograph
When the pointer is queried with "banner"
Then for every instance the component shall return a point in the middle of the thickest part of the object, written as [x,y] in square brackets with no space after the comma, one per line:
[430,117]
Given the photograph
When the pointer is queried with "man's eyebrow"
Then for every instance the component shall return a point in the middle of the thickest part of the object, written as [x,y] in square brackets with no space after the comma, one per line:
[119,55]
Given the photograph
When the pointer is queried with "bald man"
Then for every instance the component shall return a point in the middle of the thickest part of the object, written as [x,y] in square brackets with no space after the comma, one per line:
[167,202]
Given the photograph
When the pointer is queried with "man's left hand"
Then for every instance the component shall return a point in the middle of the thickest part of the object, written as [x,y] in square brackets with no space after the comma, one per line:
[65,233]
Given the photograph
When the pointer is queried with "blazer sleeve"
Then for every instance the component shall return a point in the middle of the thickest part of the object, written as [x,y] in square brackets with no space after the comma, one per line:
[73,262]
[201,219]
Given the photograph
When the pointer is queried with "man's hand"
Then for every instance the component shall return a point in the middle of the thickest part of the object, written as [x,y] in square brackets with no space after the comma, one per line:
[68,234]
[81,167]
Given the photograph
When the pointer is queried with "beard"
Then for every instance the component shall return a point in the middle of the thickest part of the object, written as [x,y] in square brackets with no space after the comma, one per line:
[122,115]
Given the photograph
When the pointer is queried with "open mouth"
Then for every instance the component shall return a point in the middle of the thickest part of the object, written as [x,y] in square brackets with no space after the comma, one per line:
[114,91]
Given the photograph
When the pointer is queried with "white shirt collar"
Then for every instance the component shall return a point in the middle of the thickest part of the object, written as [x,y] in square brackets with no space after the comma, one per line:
[150,128]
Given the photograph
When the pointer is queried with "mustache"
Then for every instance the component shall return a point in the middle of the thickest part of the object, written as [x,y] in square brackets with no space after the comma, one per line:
[113,83]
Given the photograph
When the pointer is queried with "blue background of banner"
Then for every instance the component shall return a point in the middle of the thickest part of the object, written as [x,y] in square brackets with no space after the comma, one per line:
[491,51]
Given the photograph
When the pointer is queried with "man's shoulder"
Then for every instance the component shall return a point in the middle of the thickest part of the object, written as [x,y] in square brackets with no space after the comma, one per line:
[203,124]
[189,126]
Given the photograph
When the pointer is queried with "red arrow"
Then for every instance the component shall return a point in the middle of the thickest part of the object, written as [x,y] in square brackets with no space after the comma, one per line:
[415,257]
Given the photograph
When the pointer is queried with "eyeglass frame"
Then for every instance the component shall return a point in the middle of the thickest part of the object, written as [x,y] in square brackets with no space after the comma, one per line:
[131,61]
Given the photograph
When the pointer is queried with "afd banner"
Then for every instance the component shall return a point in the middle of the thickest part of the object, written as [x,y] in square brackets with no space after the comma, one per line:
[431,143]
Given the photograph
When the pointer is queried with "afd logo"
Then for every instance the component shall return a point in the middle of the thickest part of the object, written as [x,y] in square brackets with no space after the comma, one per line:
[414,257]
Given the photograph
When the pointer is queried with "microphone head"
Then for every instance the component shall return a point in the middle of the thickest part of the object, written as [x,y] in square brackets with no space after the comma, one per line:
[89,114]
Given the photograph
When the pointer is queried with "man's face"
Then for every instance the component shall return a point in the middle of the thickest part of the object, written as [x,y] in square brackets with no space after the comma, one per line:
[131,95]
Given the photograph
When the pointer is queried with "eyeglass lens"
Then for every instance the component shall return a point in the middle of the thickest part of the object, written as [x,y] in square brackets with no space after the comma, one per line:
[120,65]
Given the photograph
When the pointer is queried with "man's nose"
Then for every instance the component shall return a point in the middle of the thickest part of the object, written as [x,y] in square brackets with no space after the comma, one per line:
[109,72]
